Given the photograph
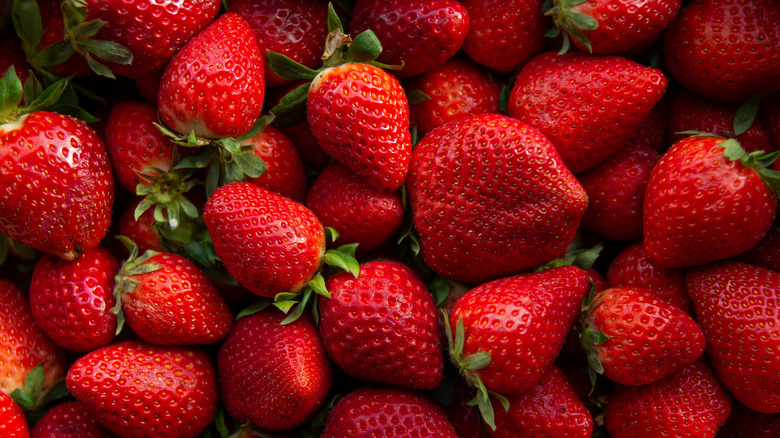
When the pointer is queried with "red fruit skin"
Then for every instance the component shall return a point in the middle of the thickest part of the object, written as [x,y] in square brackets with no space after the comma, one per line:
[64,164]
[420,35]
[690,403]
[475,190]
[465,419]
[311,153]
[630,267]
[24,344]
[359,115]
[384,412]
[698,47]
[71,301]
[13,423]
[458,88]
[382,326]
[176,304]
[284,239]
[522,322]
[69,419]
[361,213]
[747,423]
[654,129]
[13,55]
[550,408]
[735,306]
[616,192]
[696,200]
[275,375]
[504,35]
[284,173]
[214,86]
[140,231]
[587,105]
[123,385]
[769,116]
[766,253]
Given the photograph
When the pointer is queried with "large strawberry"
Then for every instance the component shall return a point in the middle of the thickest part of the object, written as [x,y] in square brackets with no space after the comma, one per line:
[13,424]
[706,201]
[490,197]
[736,306]
[587,105]
[275,375]
[69,419]
[124,386]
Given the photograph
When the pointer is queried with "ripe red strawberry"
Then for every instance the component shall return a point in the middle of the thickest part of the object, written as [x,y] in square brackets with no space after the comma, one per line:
[71,300]
[458,88]
[13,424]
[284,172]
[141,230]
[587,105]
[698,47]
[386,412]
[735,305]
[551,408]
[616,192]
[24,344]
[504,35]
[747,423]
[359,114]
[294,28]
[382,326]
[701,206]
[214,86]
[360,213]
[124,385]
[420,35]
[284,239]
[690,403]
[610,27]
[69,420]
[490,197]
[167,300]
[766,253]
[635,338]
[311,153]
[276,376]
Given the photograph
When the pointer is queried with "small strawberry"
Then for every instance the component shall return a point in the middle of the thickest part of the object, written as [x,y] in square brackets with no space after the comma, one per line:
[71,300]
[69,420]
[386,412]
[123,386]
[276,376]
[13,423]
[587,105]
[139,230]
[735,305]
[284,172]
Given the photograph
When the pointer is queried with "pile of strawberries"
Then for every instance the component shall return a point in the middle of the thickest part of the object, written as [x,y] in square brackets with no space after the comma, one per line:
[401,218]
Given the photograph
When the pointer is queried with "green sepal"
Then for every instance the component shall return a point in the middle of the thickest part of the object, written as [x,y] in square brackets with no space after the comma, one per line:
[746,114]
[32,87]
[54,54]
[334,22]
[48,97]
[124,283]
[293,100]
[365,47]
[417,96]
[570,24]
[343,260]
[732,149]
[581,258]
[27,397]
[408,234]
[26,18]
[298,309]
[482,402]
[258,127]
[11,91]
[476,361]
[317,284]
[254,308]
[439,288]
[331,235]
[287,68]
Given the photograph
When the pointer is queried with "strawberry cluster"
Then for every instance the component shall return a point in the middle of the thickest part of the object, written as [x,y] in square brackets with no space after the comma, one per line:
[403,218]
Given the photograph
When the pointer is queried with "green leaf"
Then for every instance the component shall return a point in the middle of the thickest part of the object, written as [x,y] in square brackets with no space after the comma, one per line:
[49,96]
[258,127]
[212,179]
[58,391]
[746,114]
[439,289]
[460,339]
[476,361]
[287,68]
[86,29]
[98,68]
[331,235]
[32,88]
[11,91]
[416,96]
[334,22]
[448,332]
[26,17]
[297,311]
[732,149]
[342,260]
[581,21]
[285,306]
[254,308]
[108,51]
[485,407]
[200,160]
[292,100]
[364,48]
[348,248]
[74,12]
[592,337]
[317,284]
[251,165]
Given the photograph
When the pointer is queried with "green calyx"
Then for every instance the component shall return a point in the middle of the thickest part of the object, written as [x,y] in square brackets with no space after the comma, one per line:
[124,282]
[35,97]
[571,24]
[759,161]
[590,338]
[164,190]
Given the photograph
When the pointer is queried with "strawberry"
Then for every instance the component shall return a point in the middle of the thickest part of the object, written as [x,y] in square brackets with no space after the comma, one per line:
[515,209]
[382,326]
[214,86]
[124,384]
[311,153]
[69,420]
[610,27]
[504,35]
[360,213]
[418,34]
[697,47]
[701,190]
[766,253]
[139,230]
[13,424]
[465,419]
[587,105]
[276,376]
[551,408]
[386,412]
[284,172]
[734,304]
[13,55]
[294,28]
[167,300]
[769,117]
[458,88]
[635,338]
[71,300]
[616,189]
[747,423]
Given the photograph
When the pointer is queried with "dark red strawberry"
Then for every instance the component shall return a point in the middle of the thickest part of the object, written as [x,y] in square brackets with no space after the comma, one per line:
[284,172]
[766,253]
[769,116]
[276,376]
[69,420]
[587,105]
[13,55]
[735,305]
[490,197]
[124,385]
[386,412]
[747,423]
[311,153]
[465,419]
[360,213]
[418,34]
[13,424]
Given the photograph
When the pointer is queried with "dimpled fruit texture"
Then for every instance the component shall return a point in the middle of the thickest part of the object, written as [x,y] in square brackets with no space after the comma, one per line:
[68,420]
[376,412]
[13,423]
